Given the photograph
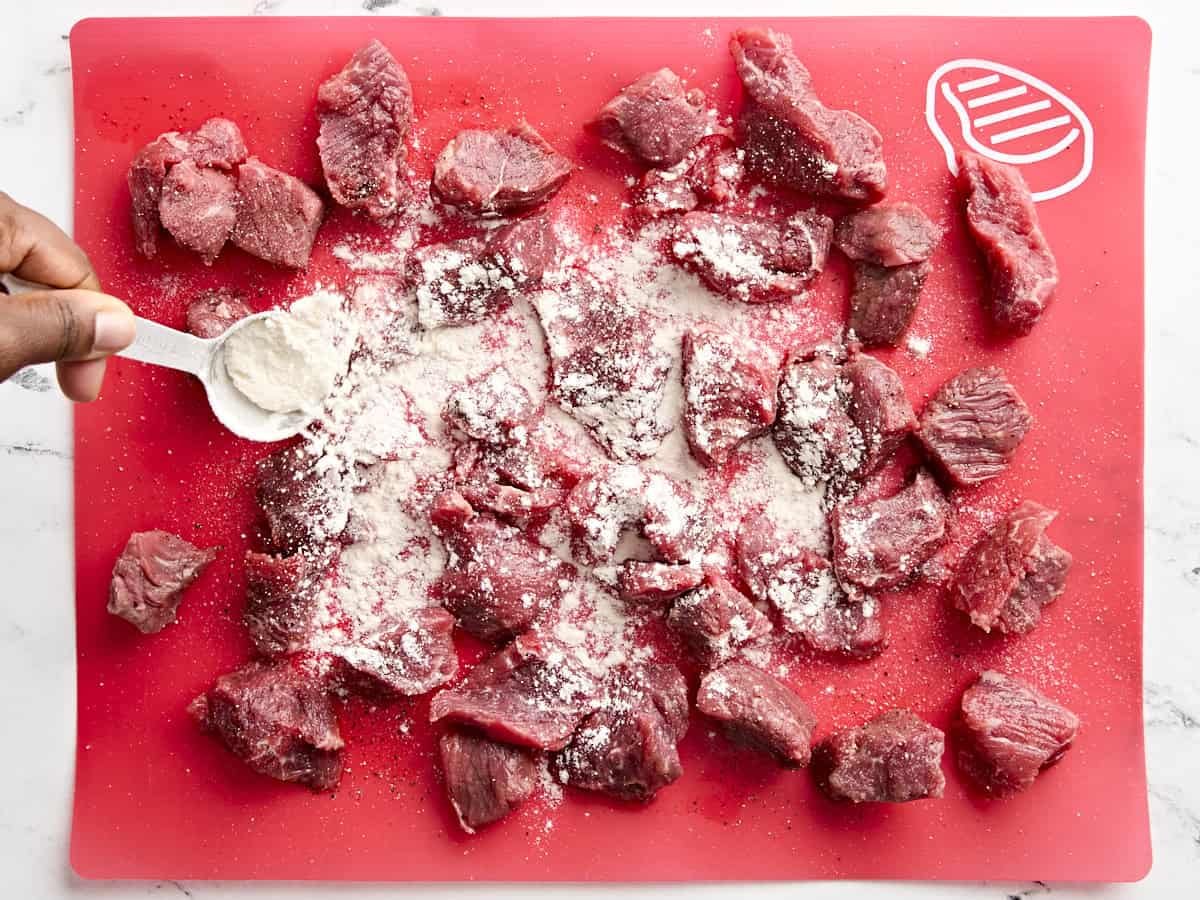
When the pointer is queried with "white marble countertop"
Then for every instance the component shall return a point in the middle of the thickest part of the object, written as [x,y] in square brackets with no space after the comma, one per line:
[37,682]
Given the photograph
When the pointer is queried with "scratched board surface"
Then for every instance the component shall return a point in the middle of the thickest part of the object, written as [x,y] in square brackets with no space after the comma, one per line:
[154,798]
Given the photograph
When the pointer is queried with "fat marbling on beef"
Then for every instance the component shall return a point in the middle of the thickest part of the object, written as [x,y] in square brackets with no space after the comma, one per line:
[894,758]
[405,653]
[655,119]
[213,311]
[485,780]
[199,208]
[277,215]
[500,171]
[716,621]
[759,711]
[150,576]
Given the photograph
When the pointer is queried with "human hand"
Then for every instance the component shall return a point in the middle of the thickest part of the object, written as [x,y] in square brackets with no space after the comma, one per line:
[75,326]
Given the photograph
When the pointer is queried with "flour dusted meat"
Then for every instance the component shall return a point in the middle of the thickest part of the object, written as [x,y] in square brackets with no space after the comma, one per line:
[730,387]
[501,171]
[212,312]
[894,758]
[655,119]
[406,654]
[278,720]
[1004,223]
[497,581]
[526,249]
[492,407]
[456,284]
[627,747]
[150,576]
[1008,732]
[198,207]
[281,602]
[878,407]
[277,216]
[656,582]
[365,111]
[813,430]
[304,504]
[533,693]
[1011,572]
[759,711]
[884,301]
[485,780]
[790,137]
[881,545]
[751,258]
[973,425]
[717,621]
[708,174]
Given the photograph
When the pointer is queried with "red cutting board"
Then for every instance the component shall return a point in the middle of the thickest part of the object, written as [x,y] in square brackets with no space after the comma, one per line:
[155,799]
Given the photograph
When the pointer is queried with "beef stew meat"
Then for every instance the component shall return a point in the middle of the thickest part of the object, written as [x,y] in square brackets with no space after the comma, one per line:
[499,172]
[1008,732]
[485,780]
[365,111]
[813,430]
[281,602]
[887,234]
[883,301]
[894,758]
[655,583]
[457,284]
[759,711]
[716,621]
[1011,572]
[198,207]
[709,173]
[278,720]
[497,581]
[790,137]
[655,119]
[277,215]
[627,747]
[492,407]
[532,694]
[304,507]
[1004,223]
[150,577]
[973,425]
[526,249]
[879,408]
[730,387]
[405,654]
[751,258]
[212,312]
[881,545]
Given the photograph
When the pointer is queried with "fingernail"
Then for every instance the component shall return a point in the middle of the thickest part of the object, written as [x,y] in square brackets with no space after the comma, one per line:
[112,331]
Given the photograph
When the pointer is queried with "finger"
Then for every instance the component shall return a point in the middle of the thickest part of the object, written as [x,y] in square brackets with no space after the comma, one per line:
[53,326]
[34,248]
[81,381]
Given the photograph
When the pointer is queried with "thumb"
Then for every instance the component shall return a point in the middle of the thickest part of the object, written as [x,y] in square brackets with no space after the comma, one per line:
[60,326]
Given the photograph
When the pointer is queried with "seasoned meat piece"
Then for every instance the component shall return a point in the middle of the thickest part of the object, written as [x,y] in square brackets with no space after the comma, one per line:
[365,111]
[1008,732]
[881,545]
[281,602]
[485,780]
[894,758]
[878,407]
[730,384]
[973,425]
[716,621]
[500,171]
[532,693]
[1012,572]
[1004,223]
[408,654]
[759,711]
[497,581]
[492,407]
[750,258]
[626,748]
[216,144]
[456,283]
[198,207]
[888,234]
[655,582]
[150,576]
[278,215]
[709,173]
[884,300]
[212,312]
[544,464]
[790,137]
[525,250]
[304,506]
[656,119]
[814,431]
[278,720]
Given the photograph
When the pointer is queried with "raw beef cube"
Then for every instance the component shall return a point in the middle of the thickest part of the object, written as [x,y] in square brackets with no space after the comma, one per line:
[216,144]
[407,654]
[1004,223]
[485,780]
[278,215]
[278,720]
[879,408]
[790,137]
[730,386]
[305,506]
[709,173]
[655,582]
[716,621]
[814,432]
[884,300]
[365,111]
[457,284]
[198,207]
[212,312]
[150,576]
[656,119]
[544,459]
[882,545]
[894,758]
[891,234]
[281,602]
[973,425]
[499,172]
[492,407]
[758,711]
[1008,732]
[750,258]
[532,693]
[497,581]
[606,371]
[627,747]
[1012,572]
[525,250]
